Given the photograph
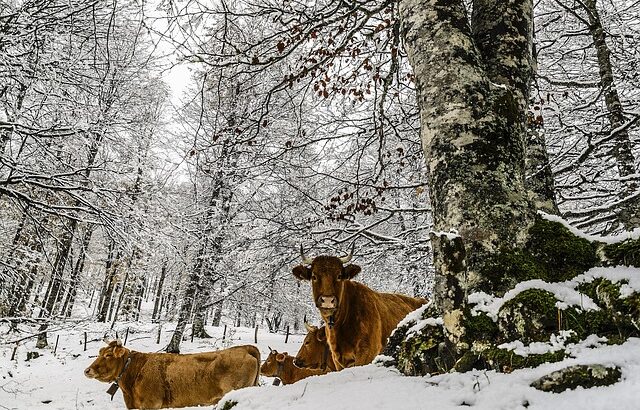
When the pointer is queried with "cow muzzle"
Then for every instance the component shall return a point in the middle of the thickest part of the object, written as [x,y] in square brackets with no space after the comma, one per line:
[89,373]
[327,302]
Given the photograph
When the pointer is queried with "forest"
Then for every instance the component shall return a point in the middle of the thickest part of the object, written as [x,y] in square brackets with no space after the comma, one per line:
[179,154]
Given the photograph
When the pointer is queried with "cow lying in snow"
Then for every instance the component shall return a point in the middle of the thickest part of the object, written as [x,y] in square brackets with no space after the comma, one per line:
[281,365]
[314,352]
[161,380]
[359,320]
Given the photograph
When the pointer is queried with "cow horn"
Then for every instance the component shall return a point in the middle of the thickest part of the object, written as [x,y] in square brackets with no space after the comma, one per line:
[308,326]
[347,259]
[305,260]
[270,349]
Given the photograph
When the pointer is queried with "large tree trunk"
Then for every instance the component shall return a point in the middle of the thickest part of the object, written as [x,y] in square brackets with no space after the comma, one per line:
[472,96]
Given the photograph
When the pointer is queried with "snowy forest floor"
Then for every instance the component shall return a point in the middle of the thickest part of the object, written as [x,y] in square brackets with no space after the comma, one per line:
[56,381]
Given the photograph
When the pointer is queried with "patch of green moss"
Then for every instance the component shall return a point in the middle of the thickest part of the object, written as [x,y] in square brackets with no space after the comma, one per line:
[624,253]
[530,317]
[616,318]
[564,254]
[552,253]
[479,327]
[507,268]
[418,354]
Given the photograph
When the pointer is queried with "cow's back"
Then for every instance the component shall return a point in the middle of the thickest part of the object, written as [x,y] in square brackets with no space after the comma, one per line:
[394,307]
[371,318]
[180,380]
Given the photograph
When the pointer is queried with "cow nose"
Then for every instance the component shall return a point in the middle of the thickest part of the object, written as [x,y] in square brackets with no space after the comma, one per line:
[87,372]
[298,362]
[327,302]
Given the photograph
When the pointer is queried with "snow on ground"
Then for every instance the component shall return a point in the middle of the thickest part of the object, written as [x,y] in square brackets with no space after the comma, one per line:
[56,381]
[610,239]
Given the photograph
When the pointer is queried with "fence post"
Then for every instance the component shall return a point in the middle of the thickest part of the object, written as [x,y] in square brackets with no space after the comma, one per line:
[126,336]
[286,339]
[56,348]
[159,332]
[13,355]
[224,332]
[85,341]
[255,336]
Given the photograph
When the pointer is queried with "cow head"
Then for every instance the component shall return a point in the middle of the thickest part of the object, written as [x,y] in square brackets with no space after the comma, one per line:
[275,360]
[314,350]
[328,275]
[109,363]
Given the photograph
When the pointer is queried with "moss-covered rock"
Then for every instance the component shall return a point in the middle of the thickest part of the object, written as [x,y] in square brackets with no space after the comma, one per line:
[552,254]
[503,360]
[532,316]
[625,253]
[572,377]
[619,316]
[416,353]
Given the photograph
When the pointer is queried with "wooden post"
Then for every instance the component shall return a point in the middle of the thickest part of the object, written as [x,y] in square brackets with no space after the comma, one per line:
[56,347]
[126,336]
[255,335]
[85,341]
[13,355]
[224,332]
[192,333]
[159,332]
[286,339]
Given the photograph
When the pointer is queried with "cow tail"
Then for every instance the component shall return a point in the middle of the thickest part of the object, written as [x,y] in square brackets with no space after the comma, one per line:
[256,353]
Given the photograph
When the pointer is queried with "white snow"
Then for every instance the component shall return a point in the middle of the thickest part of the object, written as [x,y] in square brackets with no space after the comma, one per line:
[610,239]
[565,292]
[59,378]
[56,381]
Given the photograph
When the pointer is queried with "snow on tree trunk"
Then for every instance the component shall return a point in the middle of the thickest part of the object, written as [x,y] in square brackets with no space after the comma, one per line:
[473,131]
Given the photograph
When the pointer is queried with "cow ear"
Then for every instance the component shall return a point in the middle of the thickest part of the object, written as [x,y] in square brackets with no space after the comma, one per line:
[321,336]
[350,271]
[119,351]
[302,272]
[280,357]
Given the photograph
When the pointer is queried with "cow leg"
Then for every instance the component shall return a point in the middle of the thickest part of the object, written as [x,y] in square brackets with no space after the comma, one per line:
[344,360]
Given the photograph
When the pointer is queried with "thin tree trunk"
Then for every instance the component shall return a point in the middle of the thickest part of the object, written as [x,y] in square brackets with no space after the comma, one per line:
[157,306]
[57,274]
[75,274]
[629,216]
[117,307]
[109,282]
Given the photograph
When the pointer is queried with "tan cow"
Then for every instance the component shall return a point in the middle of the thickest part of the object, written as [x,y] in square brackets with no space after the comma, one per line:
[359,320]
[161,380]
[281,365]
[314,352]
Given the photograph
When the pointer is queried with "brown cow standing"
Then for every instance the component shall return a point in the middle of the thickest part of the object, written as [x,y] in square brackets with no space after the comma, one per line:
[281,365]
[359,319]
[315,352]
[161,380]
